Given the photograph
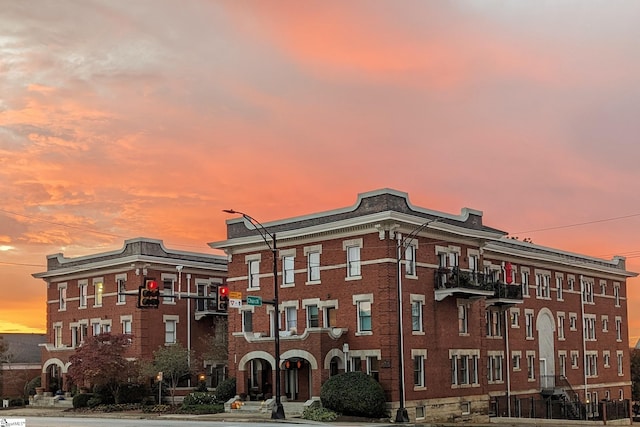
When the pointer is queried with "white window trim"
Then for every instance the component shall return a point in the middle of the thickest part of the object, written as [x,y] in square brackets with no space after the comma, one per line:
[121,277]
[313,249]
[287,253]
[247,260]
[81,283]
[421,352]
[98,283]
[362,298]
[62,299]
[353,243]
[170,318]
[421,299]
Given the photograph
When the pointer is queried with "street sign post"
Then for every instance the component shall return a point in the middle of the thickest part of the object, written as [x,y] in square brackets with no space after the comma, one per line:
[235,299]
[254,300]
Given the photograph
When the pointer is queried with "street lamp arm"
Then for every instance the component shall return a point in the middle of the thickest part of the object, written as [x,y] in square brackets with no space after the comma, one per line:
[256,224]
[411,236]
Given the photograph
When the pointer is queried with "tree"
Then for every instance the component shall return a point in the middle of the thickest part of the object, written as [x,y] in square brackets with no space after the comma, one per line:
[100,361]
[635,374]
[174,363]
[216,345]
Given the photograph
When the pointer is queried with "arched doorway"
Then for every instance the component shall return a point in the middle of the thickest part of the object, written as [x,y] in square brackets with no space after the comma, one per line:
[297,379]
[546,327]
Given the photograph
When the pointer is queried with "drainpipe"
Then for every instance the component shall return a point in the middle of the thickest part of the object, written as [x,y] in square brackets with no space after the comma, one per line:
[584,343]
[189,319]
[507,362]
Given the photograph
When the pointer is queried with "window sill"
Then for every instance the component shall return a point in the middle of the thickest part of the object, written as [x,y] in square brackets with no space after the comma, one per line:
[352,278]
[364,333]
[313,282]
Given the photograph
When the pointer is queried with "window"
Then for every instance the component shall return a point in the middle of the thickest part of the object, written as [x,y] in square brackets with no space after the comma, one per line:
[619,359]
[416,316]
[57,335]
[98,287]
[528,318]
[616,293]
[418,371]
[618,329]
[562,364]
[356,364]
[494,368]
[167,286]
[122,288]
[288,270]
[559,287]
[353,261]
[571,283]
[330,316]
[62,297]
[606,357]
[561,326]
[313,318]
[463,318]
[364,316]
[96,328]
[592,365]
[106,327]
[573,321]
[464,368]
[247,321]
[494,323]
[516,360]
[531,370]
[254,273]
[126,326]
[313,263]
[420,412]
[524,277]
[589,327]
[574,360]
[82,289]
[373,368]
[605,324]
[587,291]
[170,329]
[410,260]
[515,317]
[75,336]
[291,316]
[543,285]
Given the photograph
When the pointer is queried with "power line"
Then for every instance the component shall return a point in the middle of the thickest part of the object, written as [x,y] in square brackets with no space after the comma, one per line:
[577,224]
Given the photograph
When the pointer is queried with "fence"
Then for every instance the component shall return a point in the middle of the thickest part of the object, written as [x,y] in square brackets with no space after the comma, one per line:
[559,409]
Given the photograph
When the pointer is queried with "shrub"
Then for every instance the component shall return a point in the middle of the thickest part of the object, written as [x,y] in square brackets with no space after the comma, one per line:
[216,408]
[226,389]
[31,385]
[82,400]
[94,401]
[354,393]
[202,386]
[132,393]
[199,398]
[319,414]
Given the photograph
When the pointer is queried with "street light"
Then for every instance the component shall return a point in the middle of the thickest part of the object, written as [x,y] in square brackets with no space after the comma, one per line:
[401,415]
[278,409]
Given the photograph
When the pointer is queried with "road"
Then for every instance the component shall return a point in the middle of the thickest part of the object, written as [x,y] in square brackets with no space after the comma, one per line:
[118,422]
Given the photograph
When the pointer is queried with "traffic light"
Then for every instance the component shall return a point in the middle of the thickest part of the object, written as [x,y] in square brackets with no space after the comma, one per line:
[223,298]
[149,294]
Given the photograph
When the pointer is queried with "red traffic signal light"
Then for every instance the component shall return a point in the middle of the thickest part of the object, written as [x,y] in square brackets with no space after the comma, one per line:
[223,298]
[149,294]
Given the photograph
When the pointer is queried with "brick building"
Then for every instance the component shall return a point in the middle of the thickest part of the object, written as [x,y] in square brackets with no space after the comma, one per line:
[486,318]
[97,293]
[20,363]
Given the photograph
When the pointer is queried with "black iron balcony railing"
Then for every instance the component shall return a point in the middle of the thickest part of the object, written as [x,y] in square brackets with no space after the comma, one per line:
[452,278]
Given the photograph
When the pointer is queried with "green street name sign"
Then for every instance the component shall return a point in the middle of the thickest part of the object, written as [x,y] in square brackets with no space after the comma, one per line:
[254,300]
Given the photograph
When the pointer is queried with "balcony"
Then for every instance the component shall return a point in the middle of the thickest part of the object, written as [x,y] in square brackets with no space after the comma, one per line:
[472,285]
[205,308]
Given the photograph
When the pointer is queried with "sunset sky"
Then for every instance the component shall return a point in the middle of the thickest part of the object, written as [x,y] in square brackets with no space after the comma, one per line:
[121,119]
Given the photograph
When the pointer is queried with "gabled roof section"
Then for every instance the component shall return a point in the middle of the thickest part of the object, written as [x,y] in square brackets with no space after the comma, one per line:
[23,348]
[140,249]
[369,204]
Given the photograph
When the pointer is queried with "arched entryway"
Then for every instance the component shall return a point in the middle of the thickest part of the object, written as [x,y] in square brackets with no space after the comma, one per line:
[255,376]
[53,377]
[546,327]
